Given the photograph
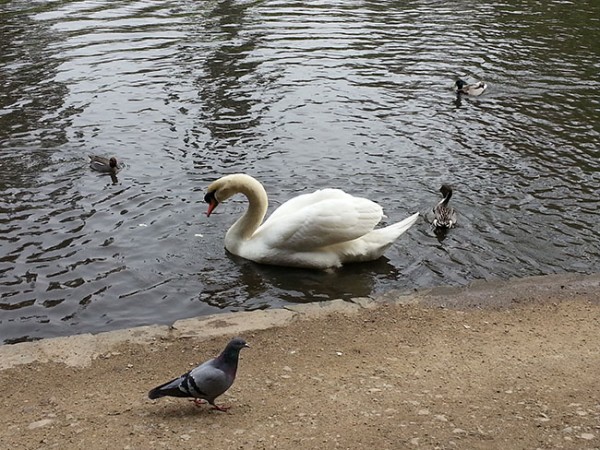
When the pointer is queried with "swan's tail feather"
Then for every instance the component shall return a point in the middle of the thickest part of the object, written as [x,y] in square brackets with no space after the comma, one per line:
[403,225]
[372,245]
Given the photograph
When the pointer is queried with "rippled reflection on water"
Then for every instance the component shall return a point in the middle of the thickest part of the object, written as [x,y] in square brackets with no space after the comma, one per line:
[349,94]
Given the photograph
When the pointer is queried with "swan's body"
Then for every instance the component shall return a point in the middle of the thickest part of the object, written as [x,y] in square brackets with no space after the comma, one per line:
[473,90]
[320,230]
[444,216]
[103,164]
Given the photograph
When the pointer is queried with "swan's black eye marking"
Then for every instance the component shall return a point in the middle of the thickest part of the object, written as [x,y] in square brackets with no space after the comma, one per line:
[210,197]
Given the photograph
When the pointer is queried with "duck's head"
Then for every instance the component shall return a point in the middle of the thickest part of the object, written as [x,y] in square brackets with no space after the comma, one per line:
[446,191]
[112,162]
[460,84]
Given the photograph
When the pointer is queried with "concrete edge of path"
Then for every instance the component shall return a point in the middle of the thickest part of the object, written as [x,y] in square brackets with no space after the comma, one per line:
[81,350]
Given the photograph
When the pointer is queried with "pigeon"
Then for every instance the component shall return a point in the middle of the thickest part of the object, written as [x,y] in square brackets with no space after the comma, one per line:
[207,381]
[103,164]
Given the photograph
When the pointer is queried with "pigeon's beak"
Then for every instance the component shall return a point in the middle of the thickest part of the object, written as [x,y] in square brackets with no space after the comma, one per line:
[246,345]
[212,201]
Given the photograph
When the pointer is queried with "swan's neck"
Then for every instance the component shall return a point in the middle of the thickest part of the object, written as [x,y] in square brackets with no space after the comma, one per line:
[258,202]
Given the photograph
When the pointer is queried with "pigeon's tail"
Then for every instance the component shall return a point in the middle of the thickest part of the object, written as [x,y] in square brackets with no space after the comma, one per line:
[170,389]
[155,393]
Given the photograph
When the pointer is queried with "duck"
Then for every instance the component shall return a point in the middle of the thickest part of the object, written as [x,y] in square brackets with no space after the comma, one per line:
[444,216]
[103,164]
[473,90]
[321,230]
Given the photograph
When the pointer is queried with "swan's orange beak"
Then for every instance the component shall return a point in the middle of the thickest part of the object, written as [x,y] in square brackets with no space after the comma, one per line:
[212,202]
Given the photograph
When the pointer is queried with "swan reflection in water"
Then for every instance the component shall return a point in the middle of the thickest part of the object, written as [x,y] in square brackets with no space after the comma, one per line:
[267,286]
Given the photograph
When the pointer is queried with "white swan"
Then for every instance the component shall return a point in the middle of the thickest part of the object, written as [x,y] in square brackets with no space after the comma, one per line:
[320,230]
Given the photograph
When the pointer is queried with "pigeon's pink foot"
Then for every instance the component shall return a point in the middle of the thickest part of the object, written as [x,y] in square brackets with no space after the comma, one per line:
[198,401]
[221,408]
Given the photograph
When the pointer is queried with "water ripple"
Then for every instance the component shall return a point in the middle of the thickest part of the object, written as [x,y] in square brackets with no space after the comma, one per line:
[351,94]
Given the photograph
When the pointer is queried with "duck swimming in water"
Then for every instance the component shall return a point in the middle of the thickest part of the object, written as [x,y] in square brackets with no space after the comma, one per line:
[444,216]
[473,90]
[102,164]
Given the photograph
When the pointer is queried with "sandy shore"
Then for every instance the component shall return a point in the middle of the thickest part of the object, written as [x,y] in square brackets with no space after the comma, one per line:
[504,365]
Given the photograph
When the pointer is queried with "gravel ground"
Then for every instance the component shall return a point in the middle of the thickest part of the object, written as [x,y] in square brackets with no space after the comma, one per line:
[520,374]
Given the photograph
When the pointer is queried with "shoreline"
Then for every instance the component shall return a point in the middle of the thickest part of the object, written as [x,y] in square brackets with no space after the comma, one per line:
[494,365]
[81,349]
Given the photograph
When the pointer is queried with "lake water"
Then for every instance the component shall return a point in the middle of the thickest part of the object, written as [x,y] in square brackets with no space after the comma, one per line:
[302,95]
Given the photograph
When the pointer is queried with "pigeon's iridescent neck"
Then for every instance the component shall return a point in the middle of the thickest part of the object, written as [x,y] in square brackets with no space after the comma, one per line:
[228,361]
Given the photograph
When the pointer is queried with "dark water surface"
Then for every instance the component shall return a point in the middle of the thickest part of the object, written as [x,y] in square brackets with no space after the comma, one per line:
[302,95]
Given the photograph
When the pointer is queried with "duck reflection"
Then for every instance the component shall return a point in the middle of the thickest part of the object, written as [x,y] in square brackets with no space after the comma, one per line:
[458,101]
[440,233]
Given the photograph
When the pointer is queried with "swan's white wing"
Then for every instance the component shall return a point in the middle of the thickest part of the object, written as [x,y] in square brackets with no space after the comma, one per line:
[317,220]
[305,200]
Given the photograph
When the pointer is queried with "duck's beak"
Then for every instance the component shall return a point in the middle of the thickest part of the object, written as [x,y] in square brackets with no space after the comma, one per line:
[212,202]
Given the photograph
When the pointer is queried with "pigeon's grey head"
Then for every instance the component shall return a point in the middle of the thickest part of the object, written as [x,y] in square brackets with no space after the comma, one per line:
[232,351]
[237,344]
